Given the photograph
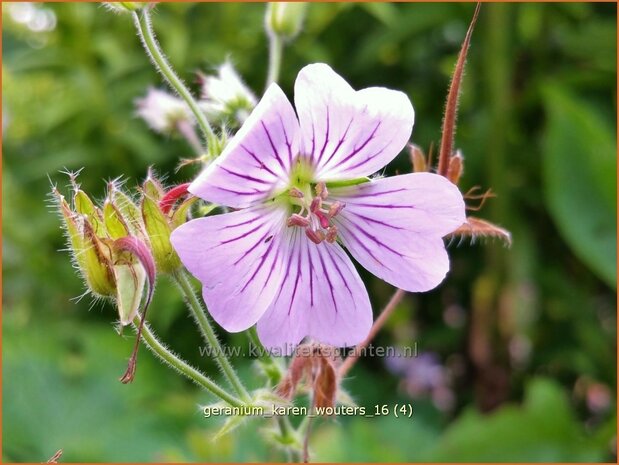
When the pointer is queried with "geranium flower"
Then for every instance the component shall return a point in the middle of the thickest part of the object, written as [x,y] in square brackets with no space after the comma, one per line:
[302,191]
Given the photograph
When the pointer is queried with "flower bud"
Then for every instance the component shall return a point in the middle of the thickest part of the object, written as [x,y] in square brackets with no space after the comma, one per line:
[130,280]
[134,267]
[158,230]
[162,111]
[285,19]
[114,223]
[129,211]
[225,97]
[455,167]
[92,257]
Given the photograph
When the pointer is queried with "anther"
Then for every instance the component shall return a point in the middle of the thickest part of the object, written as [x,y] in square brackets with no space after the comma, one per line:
[336,208]
[294,192]
[297,220]
[315,236]
[321,190]
[331,234]
[324,219]
[316,204]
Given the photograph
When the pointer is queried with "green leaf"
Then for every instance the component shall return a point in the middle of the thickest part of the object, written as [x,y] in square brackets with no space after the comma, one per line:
[580,168]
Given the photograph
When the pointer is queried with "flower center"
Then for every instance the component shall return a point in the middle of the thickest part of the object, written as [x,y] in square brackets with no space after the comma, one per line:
[315,213]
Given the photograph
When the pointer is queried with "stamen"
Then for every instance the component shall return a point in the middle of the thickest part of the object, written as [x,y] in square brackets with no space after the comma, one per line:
[336,208]
[316,204]
[331,234]
[315,236]
[324,220]
[296,193]
[297,220]
[321,190]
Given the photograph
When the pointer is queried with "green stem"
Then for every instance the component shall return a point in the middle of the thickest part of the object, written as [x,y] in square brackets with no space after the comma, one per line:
[289,435]
[270,366]
[209,334]
[276,50]
[144,27]
[183,367]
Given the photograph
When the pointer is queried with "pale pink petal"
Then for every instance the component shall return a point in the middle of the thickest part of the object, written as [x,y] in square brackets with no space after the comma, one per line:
[394,227]
[322,297]
[349,134]
[256,162]
[238,258]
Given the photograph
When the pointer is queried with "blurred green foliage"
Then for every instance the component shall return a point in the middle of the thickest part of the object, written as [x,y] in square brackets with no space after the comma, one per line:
[527,333]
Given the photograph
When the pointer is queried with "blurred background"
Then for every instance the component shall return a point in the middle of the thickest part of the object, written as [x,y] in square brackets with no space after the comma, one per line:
[517,349]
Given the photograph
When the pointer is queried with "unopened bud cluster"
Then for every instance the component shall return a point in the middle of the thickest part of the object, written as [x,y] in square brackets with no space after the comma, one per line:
[119,246]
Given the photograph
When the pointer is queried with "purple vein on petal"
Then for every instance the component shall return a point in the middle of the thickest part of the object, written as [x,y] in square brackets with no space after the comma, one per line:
[244,176]
[347,232]
[339,271]
[286,274]
[266,281]
[360,193]
[225,189]
[324,146]
[362,146]
[326,273]
[370,158]
[380,205]
[252,220]
[252,248]
[376,240]
[275,152]
[296,282]
[245,234]
[369,219]
[310,272]
[260,264]
[288,143]
[340,142]
[260,165]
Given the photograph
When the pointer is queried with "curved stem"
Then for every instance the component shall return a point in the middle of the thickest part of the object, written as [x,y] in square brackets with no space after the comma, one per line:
[276,50]
[378,324]
[167,356]
[147,35]
[209,334]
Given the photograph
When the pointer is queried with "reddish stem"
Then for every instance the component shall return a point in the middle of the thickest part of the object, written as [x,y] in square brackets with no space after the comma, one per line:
[396,298]
[451,106]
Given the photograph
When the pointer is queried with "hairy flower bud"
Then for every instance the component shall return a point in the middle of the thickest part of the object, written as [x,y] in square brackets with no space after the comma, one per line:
[285,19]
[90,254]
[158,230]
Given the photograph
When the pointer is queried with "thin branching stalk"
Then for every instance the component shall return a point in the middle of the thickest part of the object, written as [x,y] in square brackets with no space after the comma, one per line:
[376,327]
[144,27]
[168,357]
[194,305]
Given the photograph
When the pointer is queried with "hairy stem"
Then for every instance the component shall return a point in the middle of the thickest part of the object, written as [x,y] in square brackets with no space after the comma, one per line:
[144,27]
[378,324]
[288,432]
[451,106]
[209,334]
[168,357]
[276,50]
[270,366]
